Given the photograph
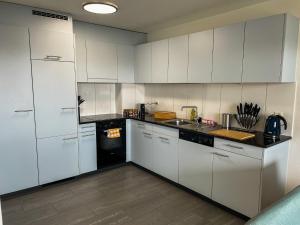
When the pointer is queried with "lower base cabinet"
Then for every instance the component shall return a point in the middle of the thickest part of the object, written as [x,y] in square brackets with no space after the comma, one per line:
[57,158]
[87,152]
[237,182]
[165,156]
[195,167]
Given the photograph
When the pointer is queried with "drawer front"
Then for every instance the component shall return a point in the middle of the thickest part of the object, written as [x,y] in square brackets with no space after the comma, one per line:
[89,127]
[239,148]
[166,131]
[142,125]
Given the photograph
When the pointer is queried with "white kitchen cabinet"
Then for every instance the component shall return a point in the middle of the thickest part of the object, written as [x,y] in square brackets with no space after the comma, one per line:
[55,98]
[142,144]
[178,59]
[58,158]
[228,54]
[18,157]
[143,63]
[195,167]
[87,152]
[51,45]
[101,61]
[237,182]
[165,156]
[200,57]
[160,61]
[126,54]
[80,60]
[271,49]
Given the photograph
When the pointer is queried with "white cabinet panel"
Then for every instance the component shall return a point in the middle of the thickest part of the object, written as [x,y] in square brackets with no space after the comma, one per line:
[87,152]
[58,158]
[81,72]
[18,158]
[143,63]
[101,61]
[178,59]
[165,156]
[200,57]
[195,167]
[142,146]
[228,54]
[237,182]
[160,61]
[263,49]
[126,63]
[55,98]
[51,45]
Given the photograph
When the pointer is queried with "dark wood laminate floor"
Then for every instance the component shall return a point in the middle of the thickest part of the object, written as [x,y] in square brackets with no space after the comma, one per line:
[123,196]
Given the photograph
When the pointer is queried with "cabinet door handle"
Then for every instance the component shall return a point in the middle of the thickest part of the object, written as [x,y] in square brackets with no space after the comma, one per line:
[88,135]
[147,134]
[141,125]
[53,57]
[68,108]
[163,139]
[233,146]
[87,127]
[71,138]
[23,110]
[218,154]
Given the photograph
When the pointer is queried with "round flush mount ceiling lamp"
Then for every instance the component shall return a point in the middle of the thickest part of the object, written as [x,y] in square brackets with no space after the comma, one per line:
[100,7]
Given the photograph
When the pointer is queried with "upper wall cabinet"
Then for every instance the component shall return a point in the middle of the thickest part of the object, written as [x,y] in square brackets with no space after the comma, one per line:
[271,49]
[228,54]
[143,63]
[200,57]
[80,60]
[51,45]
[160,61]
[125,63]
[101,61]
[178,59]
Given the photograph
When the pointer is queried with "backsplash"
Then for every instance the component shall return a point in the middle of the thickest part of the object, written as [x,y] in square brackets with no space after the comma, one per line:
[99,98]
[214,99]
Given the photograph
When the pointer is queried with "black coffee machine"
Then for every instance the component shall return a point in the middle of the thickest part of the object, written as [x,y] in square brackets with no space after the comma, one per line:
[273,126]
[142,111]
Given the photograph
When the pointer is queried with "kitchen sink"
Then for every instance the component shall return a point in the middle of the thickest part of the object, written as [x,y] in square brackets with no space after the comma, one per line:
[178,122]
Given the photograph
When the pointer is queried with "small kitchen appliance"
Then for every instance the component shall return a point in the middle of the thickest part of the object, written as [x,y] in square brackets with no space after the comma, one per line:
[273,126]
[142,111]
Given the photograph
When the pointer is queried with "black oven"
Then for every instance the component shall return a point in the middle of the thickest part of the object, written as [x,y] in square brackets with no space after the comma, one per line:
[111,151]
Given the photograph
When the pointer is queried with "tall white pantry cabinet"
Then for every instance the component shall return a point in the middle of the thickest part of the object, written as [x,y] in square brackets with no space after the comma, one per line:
[39,141]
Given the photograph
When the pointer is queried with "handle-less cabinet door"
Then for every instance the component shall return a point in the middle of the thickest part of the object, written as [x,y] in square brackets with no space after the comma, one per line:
[263,49]
[87,152]
[126,63]
[178,59]
[195,167]
[58,158]
[51,45]
[165,156]
[236,182]
[160,61]
[55,98]
[80,62]
[101,61]
[200,57]
[228,54]
[143,63]
[18,158]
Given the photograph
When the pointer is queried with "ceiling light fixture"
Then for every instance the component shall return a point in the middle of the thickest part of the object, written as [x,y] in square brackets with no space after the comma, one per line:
[100,7]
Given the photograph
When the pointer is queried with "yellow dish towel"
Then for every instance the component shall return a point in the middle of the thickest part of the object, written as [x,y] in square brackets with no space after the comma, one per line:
[113,133]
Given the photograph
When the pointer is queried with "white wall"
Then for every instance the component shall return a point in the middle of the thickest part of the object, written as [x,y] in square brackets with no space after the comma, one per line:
[214,99]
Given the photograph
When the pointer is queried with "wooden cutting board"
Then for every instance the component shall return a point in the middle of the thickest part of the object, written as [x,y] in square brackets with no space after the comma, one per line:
[164,115]
[233,134]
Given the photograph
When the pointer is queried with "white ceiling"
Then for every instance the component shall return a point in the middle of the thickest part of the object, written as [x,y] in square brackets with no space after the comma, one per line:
[141,15]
